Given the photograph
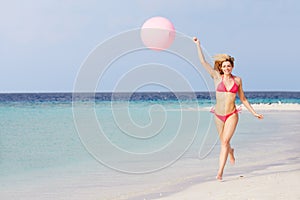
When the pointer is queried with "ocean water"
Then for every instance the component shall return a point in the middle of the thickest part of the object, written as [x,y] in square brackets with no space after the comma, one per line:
[53,148]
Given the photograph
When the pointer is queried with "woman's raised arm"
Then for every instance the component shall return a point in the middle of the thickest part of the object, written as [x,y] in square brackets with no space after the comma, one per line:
[213,73]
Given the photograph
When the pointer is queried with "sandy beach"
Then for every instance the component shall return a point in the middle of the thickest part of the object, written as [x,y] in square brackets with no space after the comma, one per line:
[274,183]
[280,179]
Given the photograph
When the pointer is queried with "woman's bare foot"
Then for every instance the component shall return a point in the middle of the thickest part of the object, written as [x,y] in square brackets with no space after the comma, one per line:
[231,156]
[219,177]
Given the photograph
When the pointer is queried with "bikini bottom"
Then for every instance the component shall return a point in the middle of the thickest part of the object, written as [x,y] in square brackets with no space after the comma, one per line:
[225,117]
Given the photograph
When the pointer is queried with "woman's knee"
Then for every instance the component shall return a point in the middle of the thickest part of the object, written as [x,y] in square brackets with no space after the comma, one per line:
[225,142]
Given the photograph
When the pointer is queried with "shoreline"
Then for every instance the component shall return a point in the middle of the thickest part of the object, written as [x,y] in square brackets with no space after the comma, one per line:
[263,180]
[274,175]
[267,159]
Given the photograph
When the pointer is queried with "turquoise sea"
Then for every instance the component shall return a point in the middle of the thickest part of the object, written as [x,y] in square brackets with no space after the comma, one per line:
[134,147]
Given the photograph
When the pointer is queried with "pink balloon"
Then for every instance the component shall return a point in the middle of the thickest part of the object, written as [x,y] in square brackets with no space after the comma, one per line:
[158,33]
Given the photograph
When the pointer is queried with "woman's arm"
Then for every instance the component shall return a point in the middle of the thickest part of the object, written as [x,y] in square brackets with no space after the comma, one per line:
[213,73]
[245,101]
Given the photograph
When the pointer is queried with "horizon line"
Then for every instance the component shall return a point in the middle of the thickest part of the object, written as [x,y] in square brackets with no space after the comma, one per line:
[99,92]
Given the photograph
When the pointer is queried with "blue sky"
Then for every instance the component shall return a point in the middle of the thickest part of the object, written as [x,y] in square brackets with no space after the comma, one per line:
[44,43]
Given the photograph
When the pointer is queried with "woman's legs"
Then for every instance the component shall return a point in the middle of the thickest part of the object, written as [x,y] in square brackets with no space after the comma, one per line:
[226,130]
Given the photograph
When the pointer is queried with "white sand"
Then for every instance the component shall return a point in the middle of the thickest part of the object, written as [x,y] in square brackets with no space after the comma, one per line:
[265,107]
[282,182]
[276,106]
[279,180]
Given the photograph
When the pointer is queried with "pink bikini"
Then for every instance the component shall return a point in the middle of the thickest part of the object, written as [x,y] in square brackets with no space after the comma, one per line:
[222,88]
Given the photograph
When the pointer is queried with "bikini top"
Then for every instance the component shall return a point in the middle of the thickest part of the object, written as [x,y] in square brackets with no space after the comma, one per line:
[222,88]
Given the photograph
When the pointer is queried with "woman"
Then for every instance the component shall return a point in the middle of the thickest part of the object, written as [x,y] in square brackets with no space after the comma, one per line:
[226,114]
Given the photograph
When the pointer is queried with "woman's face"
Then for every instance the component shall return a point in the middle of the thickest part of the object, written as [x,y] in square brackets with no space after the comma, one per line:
[227,67]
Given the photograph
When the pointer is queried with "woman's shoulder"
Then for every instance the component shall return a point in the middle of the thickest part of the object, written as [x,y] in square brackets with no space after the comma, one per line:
[237,79]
